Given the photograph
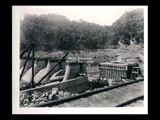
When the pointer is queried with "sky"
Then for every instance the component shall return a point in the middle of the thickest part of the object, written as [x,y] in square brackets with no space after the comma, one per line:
[102,15]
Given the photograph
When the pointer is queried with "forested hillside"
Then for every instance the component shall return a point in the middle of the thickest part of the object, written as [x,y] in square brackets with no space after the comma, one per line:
[53,31]
[130,26]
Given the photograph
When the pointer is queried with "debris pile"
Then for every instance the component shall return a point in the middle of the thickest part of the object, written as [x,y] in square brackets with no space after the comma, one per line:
[97,83]
[38,97]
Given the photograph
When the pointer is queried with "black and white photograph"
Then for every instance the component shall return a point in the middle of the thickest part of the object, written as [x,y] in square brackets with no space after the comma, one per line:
[80,59]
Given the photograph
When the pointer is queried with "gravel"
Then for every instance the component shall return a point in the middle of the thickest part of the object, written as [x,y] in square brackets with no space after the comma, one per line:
[139,103]
[109,98]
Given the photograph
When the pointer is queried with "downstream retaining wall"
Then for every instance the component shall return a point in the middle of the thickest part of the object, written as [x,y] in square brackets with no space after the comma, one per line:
[76,85]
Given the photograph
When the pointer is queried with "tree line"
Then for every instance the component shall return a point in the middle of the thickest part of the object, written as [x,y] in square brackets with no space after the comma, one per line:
[53,31]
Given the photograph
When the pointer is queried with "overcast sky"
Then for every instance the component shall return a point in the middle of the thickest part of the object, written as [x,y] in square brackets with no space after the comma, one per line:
[102,15]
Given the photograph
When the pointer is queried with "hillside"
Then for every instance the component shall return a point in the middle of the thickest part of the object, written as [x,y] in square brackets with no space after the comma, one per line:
[132,16]
[130,26]
[50,32]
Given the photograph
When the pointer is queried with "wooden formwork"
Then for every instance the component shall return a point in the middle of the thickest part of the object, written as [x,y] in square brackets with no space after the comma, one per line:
[116,71]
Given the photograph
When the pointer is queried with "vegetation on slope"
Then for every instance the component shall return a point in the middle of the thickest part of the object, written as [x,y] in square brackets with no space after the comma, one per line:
[50,32]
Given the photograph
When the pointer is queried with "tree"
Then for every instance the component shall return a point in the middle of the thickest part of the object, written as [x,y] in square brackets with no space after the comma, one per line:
[52,31]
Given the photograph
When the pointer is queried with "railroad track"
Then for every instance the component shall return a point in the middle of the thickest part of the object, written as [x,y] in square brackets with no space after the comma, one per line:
[86,94]
[130,101]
